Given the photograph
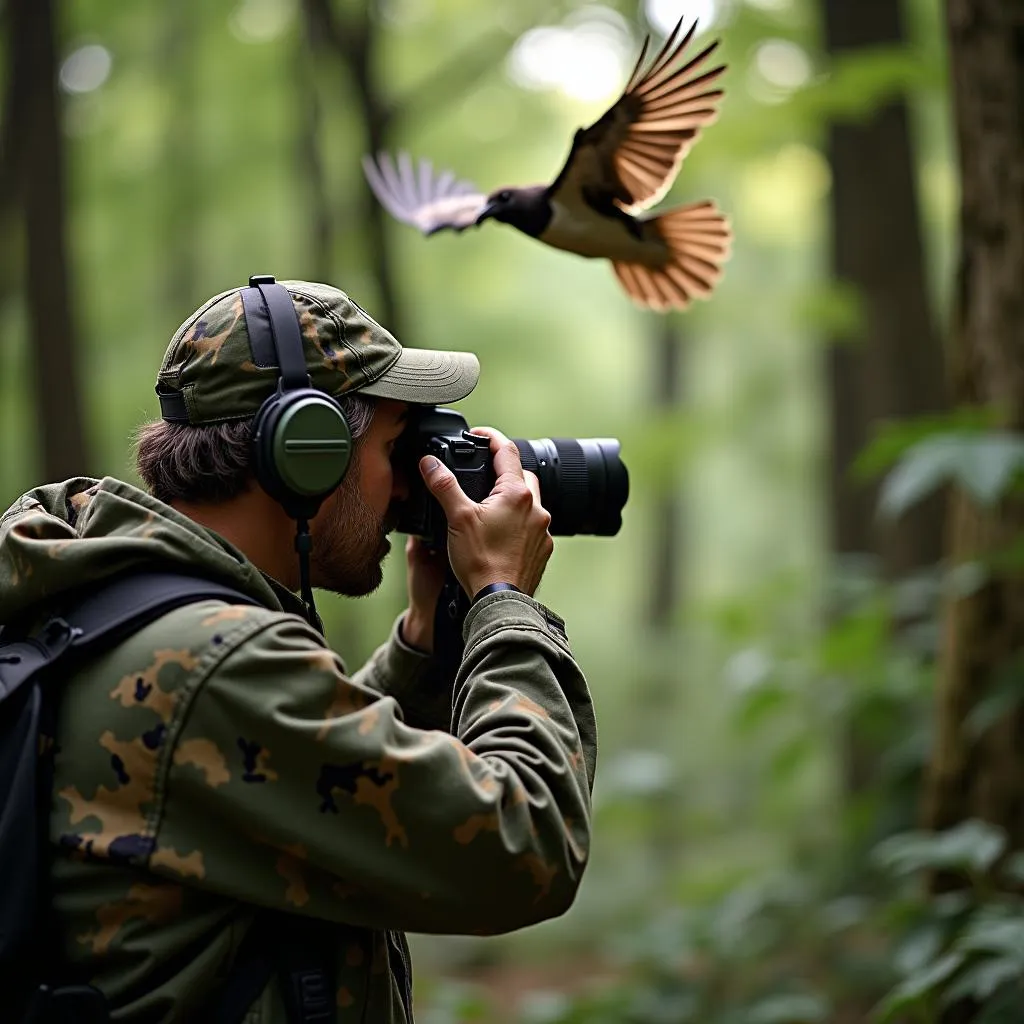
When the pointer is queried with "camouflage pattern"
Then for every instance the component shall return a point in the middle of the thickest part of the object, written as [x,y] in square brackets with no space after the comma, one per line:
[222,760]
[210,362]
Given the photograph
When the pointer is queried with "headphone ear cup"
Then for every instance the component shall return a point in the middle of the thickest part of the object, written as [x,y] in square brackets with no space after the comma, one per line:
[302,446]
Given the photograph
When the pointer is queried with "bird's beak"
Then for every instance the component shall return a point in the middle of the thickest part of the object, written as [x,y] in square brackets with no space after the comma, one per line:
[486,212]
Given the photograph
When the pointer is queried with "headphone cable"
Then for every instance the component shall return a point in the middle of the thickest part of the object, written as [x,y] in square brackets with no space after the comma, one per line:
[303,545]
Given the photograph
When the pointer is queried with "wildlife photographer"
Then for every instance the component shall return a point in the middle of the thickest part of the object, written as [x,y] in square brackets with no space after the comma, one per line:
[240,828]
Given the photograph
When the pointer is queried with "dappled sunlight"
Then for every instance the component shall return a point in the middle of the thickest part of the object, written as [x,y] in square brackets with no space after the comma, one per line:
[586,58]
[86,69]
[261,21]
[664,14]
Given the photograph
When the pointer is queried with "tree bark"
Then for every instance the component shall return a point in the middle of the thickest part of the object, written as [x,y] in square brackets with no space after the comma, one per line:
[983,776]
[895,367]
[984,630]
[53,338]
[353,39]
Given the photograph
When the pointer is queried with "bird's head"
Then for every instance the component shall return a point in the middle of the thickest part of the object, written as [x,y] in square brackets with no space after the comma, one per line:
[523,208]
[502,205]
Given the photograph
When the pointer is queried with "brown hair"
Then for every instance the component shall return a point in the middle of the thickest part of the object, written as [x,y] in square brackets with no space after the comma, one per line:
[207,464]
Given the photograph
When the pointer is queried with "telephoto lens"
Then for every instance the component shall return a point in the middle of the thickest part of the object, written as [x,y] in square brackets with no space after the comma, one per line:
[583,482]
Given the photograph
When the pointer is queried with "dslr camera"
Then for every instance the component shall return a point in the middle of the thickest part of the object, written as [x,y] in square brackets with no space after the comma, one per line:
[583,481]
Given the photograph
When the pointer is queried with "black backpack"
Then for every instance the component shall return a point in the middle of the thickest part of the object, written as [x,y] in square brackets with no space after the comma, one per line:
[32,979]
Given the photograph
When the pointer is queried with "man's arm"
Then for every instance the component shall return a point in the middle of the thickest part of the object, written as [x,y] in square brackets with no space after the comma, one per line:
[413,677]
[327,803]
[403,666]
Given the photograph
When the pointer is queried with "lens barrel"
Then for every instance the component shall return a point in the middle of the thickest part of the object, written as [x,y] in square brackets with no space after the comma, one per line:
[583,482]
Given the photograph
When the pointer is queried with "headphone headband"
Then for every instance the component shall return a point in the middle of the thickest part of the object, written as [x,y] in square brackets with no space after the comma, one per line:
[282,325]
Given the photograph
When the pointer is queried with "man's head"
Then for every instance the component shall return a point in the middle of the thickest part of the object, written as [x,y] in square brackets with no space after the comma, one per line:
[216,375]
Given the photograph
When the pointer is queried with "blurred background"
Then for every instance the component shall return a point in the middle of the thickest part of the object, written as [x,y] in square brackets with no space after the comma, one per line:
[759,639]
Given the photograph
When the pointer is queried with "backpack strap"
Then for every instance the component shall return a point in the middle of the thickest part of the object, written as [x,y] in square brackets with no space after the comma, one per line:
[100,619]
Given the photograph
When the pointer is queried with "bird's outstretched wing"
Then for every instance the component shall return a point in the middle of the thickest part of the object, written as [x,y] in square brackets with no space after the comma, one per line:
[415,196]
[631,155]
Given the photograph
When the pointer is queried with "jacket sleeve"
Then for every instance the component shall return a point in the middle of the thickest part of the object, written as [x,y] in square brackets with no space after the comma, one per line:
[324,801]
[414,678]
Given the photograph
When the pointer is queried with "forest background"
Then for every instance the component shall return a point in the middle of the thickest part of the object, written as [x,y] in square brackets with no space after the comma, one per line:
[763,636]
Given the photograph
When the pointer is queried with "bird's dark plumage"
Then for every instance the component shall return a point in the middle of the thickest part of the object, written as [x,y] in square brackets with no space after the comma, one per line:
[622,164]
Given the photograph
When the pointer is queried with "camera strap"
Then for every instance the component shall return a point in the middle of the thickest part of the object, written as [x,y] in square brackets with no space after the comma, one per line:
[449,618]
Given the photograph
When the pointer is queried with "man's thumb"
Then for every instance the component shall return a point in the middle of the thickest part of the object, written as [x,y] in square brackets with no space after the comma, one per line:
[441,483]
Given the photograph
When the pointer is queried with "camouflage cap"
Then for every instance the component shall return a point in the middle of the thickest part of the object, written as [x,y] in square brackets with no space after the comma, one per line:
[210,374]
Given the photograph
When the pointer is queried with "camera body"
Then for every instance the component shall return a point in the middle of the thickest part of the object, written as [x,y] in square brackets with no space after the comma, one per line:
[444,434]
[583,482]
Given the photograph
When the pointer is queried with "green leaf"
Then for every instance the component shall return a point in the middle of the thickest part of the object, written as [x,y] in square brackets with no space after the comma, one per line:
[983,464]
[894,438]
[789,1009]
[1013,867]
[918,949]
[1005,694]
[981,980]
[911,991]
[987,935]
[972,845]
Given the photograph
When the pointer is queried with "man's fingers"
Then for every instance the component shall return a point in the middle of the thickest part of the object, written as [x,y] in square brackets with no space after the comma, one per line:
[505,452]
[533,482]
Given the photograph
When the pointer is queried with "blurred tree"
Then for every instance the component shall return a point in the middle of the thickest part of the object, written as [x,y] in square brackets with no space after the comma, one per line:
[32,184]
[666,547]
[893,366]
[180,194]
[984,630]
[353,37]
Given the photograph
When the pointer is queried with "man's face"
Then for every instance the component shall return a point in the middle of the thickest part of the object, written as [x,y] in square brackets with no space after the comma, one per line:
[350,531]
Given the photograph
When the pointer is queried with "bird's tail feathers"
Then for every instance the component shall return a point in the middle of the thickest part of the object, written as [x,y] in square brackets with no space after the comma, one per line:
[698,239]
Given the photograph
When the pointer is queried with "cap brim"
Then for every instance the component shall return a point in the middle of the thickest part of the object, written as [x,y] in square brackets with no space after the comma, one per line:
[427,377]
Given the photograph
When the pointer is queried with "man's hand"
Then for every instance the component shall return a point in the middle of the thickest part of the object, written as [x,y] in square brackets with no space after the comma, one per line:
[504,538]
[425,570]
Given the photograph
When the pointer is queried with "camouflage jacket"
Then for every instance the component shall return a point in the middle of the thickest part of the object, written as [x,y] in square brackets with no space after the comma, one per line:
[222,760]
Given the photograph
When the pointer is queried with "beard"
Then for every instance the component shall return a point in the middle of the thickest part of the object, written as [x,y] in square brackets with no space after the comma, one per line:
[350,546]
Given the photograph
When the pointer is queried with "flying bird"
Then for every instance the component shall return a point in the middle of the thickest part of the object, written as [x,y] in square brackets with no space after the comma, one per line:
[618,167]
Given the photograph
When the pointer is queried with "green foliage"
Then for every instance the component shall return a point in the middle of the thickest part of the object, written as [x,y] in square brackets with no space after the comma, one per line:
[962,945]
[984,465]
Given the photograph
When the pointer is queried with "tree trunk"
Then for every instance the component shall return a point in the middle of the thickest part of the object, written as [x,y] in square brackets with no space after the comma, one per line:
[665,550]
[983,776]
[181,196]
[310,160]
[353,39]
[984,630]
[52,337]
[895,367]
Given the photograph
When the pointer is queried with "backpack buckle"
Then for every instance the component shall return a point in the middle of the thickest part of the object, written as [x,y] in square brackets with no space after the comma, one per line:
[313,998]
[57,636]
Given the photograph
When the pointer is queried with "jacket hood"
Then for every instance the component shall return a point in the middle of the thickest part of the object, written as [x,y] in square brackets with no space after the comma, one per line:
[62,537]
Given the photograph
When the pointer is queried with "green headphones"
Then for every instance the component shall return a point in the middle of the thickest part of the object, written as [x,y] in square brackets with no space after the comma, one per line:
[301,440]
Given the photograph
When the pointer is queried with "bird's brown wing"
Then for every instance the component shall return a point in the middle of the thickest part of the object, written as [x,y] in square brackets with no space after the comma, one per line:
[631,155]
[414,195]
